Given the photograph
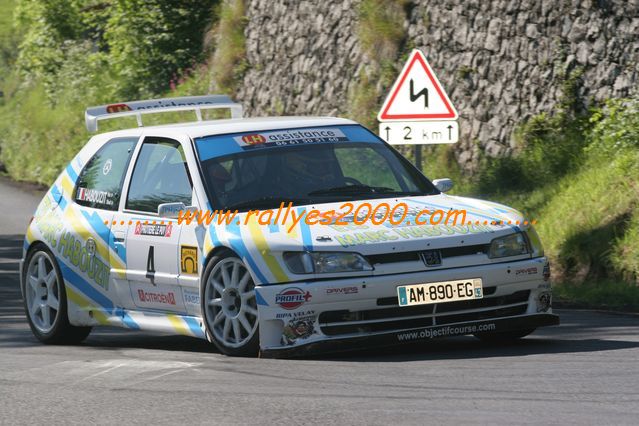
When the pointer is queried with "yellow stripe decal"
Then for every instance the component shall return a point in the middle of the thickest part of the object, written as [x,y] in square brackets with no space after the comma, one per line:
[262,246]
[67,185]
[179,325]
[84,304]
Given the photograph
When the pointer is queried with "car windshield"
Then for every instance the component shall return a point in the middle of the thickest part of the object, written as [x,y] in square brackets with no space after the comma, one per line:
[316,170]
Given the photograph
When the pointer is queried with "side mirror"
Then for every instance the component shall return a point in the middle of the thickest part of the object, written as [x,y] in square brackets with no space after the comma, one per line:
[172,210]
[444,185]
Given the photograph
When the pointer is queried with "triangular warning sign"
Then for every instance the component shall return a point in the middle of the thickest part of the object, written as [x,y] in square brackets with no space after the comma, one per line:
[417,94]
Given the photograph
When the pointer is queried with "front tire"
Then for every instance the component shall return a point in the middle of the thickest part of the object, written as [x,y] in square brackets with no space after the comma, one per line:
[45,300]
[229,306]
[504,336]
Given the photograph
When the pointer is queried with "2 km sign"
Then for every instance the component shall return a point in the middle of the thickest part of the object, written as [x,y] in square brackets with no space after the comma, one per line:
[417,109]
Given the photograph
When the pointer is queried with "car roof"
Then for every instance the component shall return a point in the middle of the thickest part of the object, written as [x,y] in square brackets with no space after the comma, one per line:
[199,129]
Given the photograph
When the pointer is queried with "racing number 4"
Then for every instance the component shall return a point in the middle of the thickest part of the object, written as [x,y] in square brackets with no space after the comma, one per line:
[150,266]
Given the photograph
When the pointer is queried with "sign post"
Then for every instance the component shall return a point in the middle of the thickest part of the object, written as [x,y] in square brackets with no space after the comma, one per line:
[417,110]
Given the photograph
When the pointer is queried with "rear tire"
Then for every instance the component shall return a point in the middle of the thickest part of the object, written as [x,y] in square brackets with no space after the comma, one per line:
[229,306]
[45,299]
[504,336]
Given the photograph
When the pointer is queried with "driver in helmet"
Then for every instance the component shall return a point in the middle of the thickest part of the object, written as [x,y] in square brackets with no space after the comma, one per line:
[308,170]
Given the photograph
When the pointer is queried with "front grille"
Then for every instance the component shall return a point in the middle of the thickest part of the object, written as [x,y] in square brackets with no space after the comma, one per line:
[334,323]
[411,256]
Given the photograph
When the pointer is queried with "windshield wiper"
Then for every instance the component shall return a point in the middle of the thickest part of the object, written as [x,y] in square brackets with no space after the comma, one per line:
[266,202]
[361,189]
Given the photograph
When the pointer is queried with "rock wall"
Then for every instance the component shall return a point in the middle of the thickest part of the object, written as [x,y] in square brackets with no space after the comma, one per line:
[501,61]
[303,56]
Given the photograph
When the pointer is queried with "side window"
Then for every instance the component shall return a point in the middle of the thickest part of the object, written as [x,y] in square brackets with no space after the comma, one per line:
[160,176]
[367,166]
[100,182]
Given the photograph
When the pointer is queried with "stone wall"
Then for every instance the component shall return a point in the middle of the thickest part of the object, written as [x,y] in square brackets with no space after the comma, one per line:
[501,61]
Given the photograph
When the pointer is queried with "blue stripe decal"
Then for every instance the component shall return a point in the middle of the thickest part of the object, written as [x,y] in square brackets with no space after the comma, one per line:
[194,326]
[306,231]
[273,228]
[96,222]
[126,319]
[62,203]
[240,248]
[84,287]
[259,299]
[72,174]
[56,193]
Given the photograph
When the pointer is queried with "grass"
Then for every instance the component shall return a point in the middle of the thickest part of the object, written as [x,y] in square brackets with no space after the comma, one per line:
[229,60]
[381,32]
[611,295]
[584,195]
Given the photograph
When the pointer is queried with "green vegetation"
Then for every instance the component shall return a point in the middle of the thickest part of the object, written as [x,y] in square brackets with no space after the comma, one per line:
[578,175]
[74,53]
[381,31]
[229,60]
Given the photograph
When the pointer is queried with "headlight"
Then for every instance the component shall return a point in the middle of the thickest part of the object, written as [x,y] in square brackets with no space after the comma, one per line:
[510,245]
[325,262]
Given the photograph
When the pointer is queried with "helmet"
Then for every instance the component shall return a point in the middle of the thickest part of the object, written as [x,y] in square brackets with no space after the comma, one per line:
[309,165]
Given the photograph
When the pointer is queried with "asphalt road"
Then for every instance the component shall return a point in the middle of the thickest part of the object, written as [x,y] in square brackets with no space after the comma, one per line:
[584,372]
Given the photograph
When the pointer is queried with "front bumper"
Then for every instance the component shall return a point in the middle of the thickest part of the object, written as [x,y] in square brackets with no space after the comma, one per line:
[339,314]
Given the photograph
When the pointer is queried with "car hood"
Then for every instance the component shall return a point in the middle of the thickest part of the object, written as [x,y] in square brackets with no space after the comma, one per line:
[262,244]
[372,238]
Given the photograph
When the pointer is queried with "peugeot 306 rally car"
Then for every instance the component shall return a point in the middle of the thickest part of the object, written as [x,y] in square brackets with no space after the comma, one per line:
[107,247]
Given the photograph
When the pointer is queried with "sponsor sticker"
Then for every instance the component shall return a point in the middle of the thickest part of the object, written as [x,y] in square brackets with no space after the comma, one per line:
[191,297]
[114,108]
[292,298]
[83,256]
[157,297]
[153,230]
[188,260]
[342,290]
[253,139]
[526,271]
[291,137]
[94,196]
[298,328]
[108,165]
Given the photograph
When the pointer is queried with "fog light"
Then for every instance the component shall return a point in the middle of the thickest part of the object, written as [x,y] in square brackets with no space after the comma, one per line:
[543,302]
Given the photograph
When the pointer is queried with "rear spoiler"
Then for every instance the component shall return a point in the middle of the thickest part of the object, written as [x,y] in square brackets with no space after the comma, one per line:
[137,108]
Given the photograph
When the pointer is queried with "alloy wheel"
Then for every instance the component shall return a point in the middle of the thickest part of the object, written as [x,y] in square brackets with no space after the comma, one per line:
[230,304]
[42,292]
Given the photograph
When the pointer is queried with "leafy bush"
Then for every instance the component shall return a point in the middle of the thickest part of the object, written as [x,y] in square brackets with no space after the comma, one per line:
[616,127]
[75,53]
[139,45]
[154,41]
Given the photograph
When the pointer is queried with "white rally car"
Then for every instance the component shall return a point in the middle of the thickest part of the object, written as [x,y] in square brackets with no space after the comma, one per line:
[105,246]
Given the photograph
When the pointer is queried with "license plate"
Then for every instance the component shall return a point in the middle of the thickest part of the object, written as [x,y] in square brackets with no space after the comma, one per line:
[445,291]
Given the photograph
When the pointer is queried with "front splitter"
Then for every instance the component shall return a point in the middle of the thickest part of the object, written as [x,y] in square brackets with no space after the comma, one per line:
[414,335]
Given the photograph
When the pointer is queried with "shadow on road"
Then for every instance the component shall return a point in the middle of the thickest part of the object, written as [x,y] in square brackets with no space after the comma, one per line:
[580,332]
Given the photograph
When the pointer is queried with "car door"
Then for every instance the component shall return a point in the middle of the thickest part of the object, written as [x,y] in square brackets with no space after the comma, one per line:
[160,175]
